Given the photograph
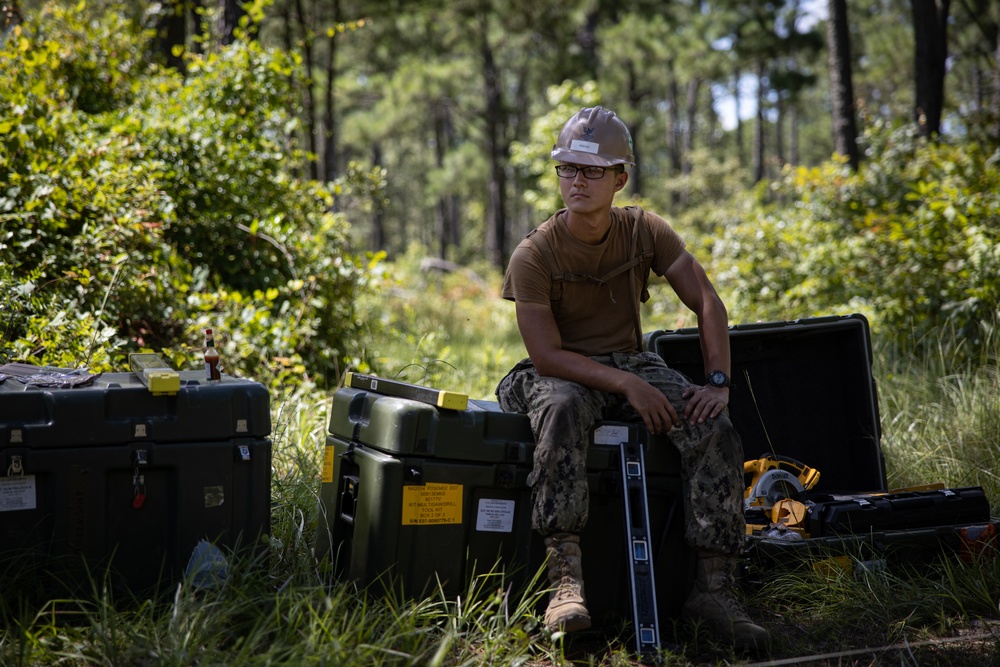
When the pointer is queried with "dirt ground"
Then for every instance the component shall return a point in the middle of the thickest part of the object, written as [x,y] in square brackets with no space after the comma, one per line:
[977,645]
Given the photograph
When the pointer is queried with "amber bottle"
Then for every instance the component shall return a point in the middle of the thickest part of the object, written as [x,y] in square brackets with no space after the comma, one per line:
[211,357]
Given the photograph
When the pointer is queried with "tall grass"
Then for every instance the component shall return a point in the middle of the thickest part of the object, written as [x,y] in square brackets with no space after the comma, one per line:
[941,419]
[450,330]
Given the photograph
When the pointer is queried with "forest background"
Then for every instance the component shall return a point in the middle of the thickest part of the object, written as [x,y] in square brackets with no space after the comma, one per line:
[336,185]
[170,166]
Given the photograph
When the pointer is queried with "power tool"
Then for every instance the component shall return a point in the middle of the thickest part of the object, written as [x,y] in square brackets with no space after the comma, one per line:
[776,478]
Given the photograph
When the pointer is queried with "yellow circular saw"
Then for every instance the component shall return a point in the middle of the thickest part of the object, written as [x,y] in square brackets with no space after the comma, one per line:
[776,478]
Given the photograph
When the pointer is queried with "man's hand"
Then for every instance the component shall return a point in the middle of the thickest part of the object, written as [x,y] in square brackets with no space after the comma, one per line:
[656,411]
[705,402]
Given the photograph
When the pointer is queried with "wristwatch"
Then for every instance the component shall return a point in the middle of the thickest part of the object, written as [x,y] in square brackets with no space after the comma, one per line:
[718,379]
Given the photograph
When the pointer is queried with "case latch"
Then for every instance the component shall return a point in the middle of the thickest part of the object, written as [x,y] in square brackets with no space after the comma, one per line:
[349,498]
[140,461]
[16,468]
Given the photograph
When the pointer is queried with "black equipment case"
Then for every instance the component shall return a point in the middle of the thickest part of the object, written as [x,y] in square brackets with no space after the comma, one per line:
[108,479]
[417,499]
[804,390]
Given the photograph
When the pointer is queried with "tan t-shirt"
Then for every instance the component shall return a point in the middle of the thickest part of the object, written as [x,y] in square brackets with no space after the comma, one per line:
[592,319]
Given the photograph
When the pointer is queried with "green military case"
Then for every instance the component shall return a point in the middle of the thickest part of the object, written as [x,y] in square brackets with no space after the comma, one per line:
[805,390]
[417,498]
[108,480]
[413,494]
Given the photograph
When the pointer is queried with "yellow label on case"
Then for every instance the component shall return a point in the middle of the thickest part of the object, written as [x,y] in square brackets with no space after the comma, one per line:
[429,504]
[328,459]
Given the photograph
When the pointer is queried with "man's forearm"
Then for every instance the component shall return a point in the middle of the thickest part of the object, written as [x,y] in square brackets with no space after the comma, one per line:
[713,331]
[582,370]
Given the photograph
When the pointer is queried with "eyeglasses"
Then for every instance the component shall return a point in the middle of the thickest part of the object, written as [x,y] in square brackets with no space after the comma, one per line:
[593,173]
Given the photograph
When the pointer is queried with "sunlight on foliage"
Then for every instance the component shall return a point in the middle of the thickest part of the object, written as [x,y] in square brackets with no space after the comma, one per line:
[142,208]
[910,241]
[446,328]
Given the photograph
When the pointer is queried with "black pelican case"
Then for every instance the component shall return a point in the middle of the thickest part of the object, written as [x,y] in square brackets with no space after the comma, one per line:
[107,483]
[805,390]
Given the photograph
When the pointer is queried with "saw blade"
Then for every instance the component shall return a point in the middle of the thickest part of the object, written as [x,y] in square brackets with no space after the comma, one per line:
[770,487]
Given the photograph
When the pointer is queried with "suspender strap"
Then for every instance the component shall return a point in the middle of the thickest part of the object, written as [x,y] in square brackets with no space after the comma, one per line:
[636,258]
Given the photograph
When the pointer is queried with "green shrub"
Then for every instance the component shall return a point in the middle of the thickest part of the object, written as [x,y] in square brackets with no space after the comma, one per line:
[911,241]
[140,207]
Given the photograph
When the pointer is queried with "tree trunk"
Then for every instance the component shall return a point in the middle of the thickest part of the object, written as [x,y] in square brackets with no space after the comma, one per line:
[740,150]
[996,89]
[288,40]
[586,39]
[845,130]
[378,215]
[794,136]
[635,96]
[779,131]
[329,115]
[714,129]
[673,130]
[440,149]
[453,231]
[930,29]
[171,31]
[308,101]
[758,135]
[691,112]
[202,25]
[287,32]
[636,179]
[496,214]
[230,13]
[522,218]
[10,15]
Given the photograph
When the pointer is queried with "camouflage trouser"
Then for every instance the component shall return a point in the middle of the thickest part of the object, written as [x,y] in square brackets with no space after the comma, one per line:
[562,414]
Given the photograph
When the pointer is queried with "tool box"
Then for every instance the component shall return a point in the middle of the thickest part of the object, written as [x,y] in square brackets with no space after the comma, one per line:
[864,513]
[804,391]
[100,477]
[417,498]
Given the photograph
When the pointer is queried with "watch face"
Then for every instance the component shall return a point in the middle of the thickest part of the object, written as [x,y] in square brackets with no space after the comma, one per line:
[718,379]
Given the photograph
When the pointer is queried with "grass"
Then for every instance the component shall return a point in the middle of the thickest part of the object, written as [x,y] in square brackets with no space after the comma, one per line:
[447,330]
[940,424]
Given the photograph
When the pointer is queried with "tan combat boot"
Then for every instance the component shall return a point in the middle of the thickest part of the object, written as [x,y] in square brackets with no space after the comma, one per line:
[712,601]
[567,610]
